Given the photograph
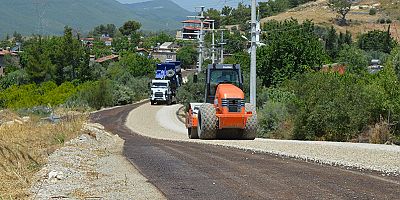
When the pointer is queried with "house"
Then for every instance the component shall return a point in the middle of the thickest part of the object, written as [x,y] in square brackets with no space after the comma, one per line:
[88,42]
[142,51]
[165,52]
[191,29]
[336,67]
[3,54]
[107,40]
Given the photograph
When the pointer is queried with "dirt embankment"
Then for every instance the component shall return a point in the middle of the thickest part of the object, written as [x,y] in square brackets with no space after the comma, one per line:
[92,166]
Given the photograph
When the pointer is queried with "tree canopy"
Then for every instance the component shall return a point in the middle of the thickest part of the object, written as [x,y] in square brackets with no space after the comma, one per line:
[291,49]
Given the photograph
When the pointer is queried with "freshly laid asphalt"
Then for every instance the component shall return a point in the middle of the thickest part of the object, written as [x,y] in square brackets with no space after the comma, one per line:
[183,170]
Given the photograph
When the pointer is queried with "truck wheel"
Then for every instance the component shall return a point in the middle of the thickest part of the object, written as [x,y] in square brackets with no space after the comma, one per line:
[170,73]
[152,102]
[207,127]
[192,133]
[250,130]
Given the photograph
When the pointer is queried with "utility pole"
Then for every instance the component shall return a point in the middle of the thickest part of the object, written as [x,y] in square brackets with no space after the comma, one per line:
[201,38]
[40,6]
[222,43]
[213,41]
[253,63]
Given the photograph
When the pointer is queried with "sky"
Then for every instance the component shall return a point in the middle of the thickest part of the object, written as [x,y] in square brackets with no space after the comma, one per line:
[191,4]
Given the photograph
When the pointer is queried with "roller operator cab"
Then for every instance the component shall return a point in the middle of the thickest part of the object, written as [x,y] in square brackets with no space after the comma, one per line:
[225,110]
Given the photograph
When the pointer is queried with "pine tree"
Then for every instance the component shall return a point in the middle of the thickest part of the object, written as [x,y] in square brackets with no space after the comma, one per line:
[331,43]
[38,66]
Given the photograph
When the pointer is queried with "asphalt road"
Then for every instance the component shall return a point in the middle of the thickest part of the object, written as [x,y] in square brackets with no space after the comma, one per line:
[196,171]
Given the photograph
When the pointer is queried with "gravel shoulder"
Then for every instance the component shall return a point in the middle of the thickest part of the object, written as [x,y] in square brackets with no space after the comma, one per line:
[161,122]
[92,167]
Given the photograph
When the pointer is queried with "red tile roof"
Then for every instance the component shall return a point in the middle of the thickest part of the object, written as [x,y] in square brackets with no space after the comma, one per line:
[87,39]
[106,58]
[6,52]
[194,21]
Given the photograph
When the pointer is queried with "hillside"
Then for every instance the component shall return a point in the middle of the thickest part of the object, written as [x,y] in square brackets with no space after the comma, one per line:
[360,20]
[165,11]
[24,16]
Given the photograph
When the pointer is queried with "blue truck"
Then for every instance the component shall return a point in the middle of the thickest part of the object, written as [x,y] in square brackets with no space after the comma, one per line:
[167,80]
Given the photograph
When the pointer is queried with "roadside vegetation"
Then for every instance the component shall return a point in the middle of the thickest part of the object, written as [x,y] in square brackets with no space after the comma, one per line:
[25,145]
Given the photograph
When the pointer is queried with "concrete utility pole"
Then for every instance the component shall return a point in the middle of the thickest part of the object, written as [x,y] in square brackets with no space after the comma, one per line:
[253,63]
[222,43]
[201,38]
[213,41]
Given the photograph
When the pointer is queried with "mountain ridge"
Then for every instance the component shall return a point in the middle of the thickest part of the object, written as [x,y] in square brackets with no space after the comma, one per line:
[83,15]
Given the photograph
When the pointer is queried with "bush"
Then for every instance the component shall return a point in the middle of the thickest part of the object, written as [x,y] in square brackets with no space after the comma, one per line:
[329,106]
[192,92]
[372,11]
[271,118]
[128,89]
[355,58]
[18,77]
[97,95]
[32,95]
[382,20]
[274,113]
[388,21]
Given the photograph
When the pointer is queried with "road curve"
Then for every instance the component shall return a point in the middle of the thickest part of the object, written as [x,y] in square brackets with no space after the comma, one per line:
[183,170]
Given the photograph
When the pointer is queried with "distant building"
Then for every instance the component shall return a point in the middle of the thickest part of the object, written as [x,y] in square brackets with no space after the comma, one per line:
[375,66]
[3,54]
[165,52]
[191,29]
[142,51]
[107,40]
[110,58]
[88,42]
[336,67]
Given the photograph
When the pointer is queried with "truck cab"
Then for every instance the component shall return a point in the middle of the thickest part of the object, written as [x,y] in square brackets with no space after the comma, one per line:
[161,92]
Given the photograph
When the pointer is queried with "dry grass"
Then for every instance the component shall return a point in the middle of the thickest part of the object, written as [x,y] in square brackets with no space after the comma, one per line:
[24,149]
[380,133]
[360,20]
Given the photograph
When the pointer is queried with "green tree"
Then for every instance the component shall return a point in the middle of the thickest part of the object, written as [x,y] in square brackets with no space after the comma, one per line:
[394,60]
[17,37]
[355,58]
[344,38]
[331,43]
[152,41]
[377,41]
[19,77]
[122,44]
[214,14]
[342,7]
[270,8]
[38,64]
[104,29]
[137,65]
[291,49]
[329,106]
[234,42]
[187,55]
[70,58]
[130,27]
